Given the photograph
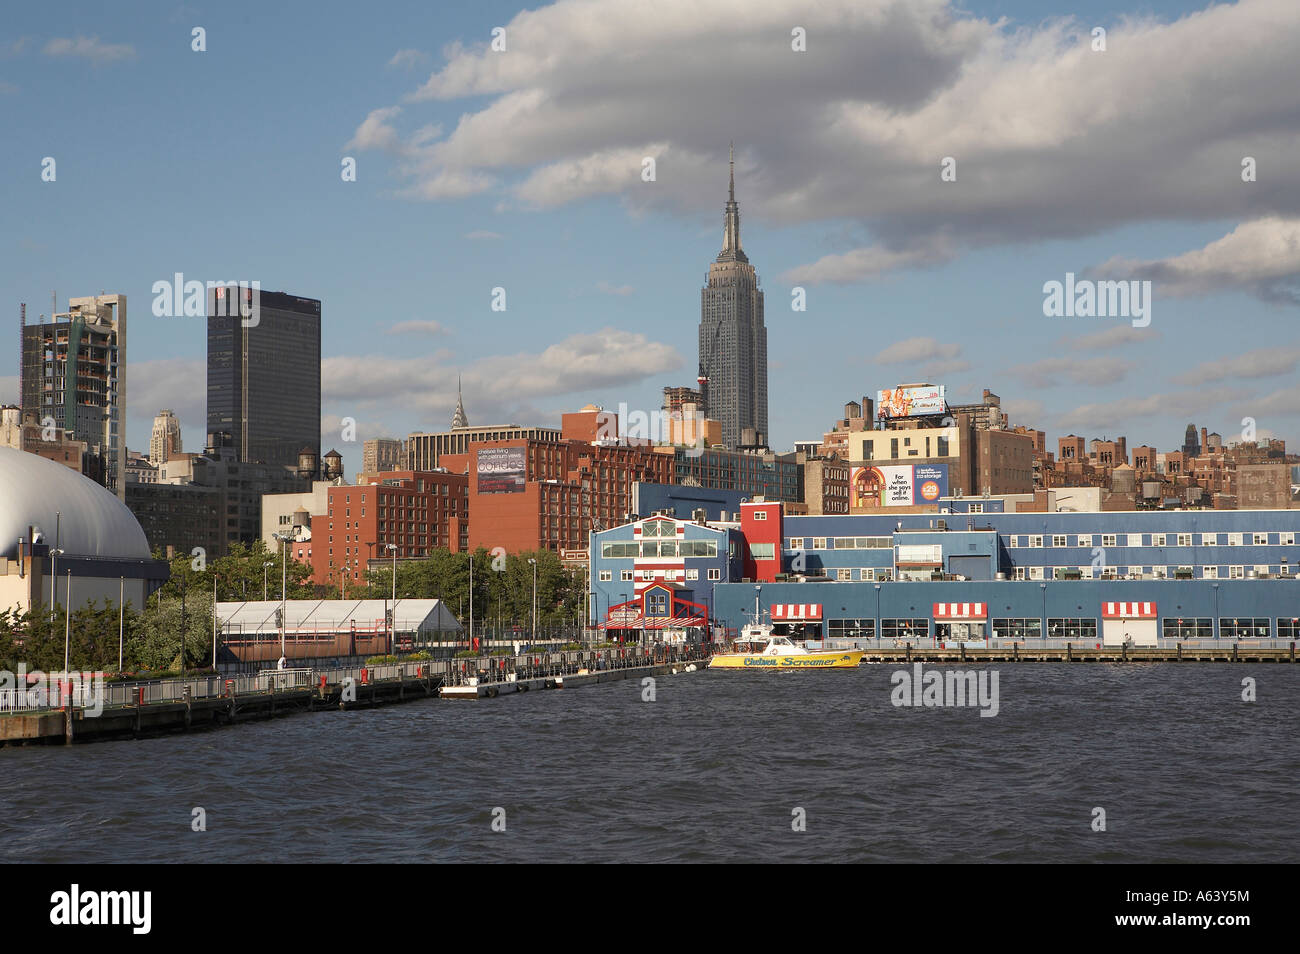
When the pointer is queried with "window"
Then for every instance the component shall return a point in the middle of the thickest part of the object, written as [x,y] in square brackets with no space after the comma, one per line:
[1036,541]
[1108,540]
[760,514]
[1184,539]
[904,628]
[1072,628]
[976,508]
[1236,573]
[1035,572]
[1244,628]
[1234,539]
[1017,628]
[1188,627]
[1210,572]
[1209,539]
[763,551]
[819,543]
[605,576]
[1157,539]
[1020,573]
[796,543]
[850,628]
[656,603]
[1058,540]
[1013,542]
[1261,539]
[715,574]
[1287,539]
[1288,627]
[866,573]
[1158,572]
[844,575]
[692,574]
[625,576]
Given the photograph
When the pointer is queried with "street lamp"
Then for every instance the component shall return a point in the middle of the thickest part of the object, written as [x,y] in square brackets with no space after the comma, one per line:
[268,563]
[284,539]
[393,619]
[54,580]
[877,632]
[534,563]
[67,623]
[121,590]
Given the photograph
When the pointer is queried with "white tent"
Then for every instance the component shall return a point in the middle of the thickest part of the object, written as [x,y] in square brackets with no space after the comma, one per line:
[423,618]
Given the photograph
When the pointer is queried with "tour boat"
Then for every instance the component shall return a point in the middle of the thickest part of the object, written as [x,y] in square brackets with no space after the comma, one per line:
[758,648]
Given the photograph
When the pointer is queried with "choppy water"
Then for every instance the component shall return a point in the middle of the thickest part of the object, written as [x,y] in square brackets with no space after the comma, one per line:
[710,771]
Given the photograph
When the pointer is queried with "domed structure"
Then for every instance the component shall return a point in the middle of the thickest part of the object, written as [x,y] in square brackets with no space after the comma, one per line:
[92,522]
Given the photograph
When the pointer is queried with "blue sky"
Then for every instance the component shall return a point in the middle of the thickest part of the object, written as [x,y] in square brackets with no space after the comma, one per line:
[521,169]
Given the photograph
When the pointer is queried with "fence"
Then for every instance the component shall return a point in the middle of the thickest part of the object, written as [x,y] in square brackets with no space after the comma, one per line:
[444,672]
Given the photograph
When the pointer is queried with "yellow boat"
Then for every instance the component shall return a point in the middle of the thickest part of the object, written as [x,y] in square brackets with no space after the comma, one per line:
[761,650]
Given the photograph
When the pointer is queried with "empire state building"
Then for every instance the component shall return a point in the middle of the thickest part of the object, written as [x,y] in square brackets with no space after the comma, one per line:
[733,338]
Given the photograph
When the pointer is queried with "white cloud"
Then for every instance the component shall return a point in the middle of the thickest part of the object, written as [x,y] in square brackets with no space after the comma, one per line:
[418,327]
[607,289]
[375,132]
[918,349]
[1261,257]
[1113,337]
[405,59]
[1049,372]
[176,383]
[90,48]
[1051,139]
[1262,363]
[1122,412]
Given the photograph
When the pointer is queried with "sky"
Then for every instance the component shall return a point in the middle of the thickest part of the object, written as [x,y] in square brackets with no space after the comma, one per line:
[921,169]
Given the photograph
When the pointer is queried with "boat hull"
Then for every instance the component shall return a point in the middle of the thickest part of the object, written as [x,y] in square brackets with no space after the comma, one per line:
[754,661]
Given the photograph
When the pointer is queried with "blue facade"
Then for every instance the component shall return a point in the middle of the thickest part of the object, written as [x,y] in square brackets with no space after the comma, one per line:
[683,501]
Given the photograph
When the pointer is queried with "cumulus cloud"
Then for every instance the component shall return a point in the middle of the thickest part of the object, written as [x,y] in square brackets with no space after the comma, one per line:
[1050,138]
[918,349]
[1113,337]
[176,383]
[405,59]
[498,384]
[1050,372]
[90,48]
[1262,363]
[1261,257]
[1101,416]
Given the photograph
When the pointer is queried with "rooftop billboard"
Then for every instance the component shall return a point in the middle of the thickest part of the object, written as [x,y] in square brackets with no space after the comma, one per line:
[912,401]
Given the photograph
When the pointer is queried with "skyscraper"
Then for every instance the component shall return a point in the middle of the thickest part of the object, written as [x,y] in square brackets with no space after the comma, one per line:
[264,378]
[74,379]
[165,441]
[733,338]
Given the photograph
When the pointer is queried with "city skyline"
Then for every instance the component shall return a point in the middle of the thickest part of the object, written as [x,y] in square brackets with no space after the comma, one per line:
[461,189]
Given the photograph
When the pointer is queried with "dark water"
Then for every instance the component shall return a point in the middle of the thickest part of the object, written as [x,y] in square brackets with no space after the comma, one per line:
[710,771]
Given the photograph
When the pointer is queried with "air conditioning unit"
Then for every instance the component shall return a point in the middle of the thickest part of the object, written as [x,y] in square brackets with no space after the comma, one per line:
[700,515]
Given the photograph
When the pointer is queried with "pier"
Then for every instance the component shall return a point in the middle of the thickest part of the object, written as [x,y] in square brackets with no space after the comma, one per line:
[132,710]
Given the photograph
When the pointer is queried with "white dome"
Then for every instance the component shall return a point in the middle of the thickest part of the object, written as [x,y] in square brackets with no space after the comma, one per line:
[93,522]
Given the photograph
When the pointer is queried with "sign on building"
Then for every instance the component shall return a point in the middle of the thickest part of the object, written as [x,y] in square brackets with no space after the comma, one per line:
[501,470]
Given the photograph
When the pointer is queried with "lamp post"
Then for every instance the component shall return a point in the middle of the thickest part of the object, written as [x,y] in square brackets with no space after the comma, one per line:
[1043,589]
[268,563]
[1214,623]
[284,587]
[877,630]
[534,563]
[393,619]
[67,623]
[214,621]
[121,590]
[55,553]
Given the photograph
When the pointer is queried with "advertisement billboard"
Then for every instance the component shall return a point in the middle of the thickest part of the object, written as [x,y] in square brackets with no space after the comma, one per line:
[501,470]
[910,401]
[898,485]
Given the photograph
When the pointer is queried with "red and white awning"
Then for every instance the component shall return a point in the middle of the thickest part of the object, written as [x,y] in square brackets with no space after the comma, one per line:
[796,611]
[1128,610]
[961,610]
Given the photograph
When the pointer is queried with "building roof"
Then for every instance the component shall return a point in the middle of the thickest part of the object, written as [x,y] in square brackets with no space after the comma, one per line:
[328,616]
[92,522]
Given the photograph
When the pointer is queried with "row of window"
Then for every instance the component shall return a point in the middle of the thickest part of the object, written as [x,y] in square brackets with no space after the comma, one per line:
[607,576]
[1261,539]
[841,543]
[659,548]
[1081,628]
[1208,572]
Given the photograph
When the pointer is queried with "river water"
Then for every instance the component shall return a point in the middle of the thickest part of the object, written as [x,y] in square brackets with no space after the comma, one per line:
[716,768]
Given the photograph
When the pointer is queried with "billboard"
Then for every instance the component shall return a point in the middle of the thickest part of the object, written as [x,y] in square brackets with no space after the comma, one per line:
[898,485]
[501,470]
[910,401]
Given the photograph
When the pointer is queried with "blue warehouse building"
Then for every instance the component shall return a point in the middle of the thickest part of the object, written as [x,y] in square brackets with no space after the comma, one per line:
[1104,577]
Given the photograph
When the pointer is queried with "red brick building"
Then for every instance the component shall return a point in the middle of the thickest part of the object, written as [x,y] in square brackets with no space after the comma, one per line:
[418,511]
